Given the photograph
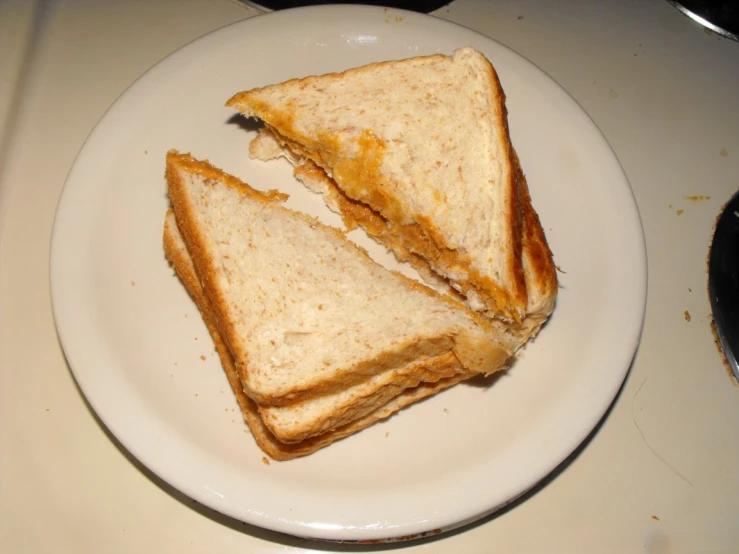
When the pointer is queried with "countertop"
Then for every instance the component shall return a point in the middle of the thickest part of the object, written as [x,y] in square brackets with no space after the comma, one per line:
[658,476]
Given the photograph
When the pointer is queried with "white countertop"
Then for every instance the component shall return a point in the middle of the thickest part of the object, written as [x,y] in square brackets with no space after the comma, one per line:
[660,473]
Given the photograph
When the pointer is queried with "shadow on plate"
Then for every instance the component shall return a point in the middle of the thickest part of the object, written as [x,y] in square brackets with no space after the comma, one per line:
[246,123]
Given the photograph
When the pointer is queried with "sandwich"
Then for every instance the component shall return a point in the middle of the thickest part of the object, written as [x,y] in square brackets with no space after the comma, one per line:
[418,153]
[317,340]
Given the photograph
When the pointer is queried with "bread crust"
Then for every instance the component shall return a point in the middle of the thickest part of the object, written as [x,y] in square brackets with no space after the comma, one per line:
[287,427]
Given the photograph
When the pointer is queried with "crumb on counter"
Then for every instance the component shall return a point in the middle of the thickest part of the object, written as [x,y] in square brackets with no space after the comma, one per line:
[265,461]
[686,314]
[697,198]
[202,357]
[680,211]
[655,518]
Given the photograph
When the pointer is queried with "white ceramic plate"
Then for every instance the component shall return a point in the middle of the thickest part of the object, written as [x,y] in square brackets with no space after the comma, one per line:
[143,357]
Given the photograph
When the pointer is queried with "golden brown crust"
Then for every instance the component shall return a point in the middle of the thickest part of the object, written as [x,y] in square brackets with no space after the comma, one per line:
[517,292]
[356,374]
[369,399]
[208,171]
[542,273]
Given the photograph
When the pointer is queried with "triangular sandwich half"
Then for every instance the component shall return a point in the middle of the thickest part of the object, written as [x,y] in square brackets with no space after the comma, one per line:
[423,142]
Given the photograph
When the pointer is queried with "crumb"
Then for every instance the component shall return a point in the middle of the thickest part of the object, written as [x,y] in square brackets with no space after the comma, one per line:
[265,461]
[399,18]
[145,152]
[47,409]
[196,338]
[719,348]
[221,391]
[655,518]
[669,206]
[171,375]
[202,357]
[723,153]
[133,283]
[185,316]
[686,313]
[690,290]
[698,198]
[387,434]
[680,212]
[560,269]
[707,31]
[520,17]
[175,363]
[196,394]
[446,411]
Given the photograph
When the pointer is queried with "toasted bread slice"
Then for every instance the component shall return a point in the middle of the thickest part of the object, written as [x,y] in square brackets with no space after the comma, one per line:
[304,311]
[539,270]
[425,143]
[176,252]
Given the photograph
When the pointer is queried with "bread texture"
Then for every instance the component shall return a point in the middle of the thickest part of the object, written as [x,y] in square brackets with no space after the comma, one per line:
[176,251]
[305,312]
[538,264]
[424,142]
